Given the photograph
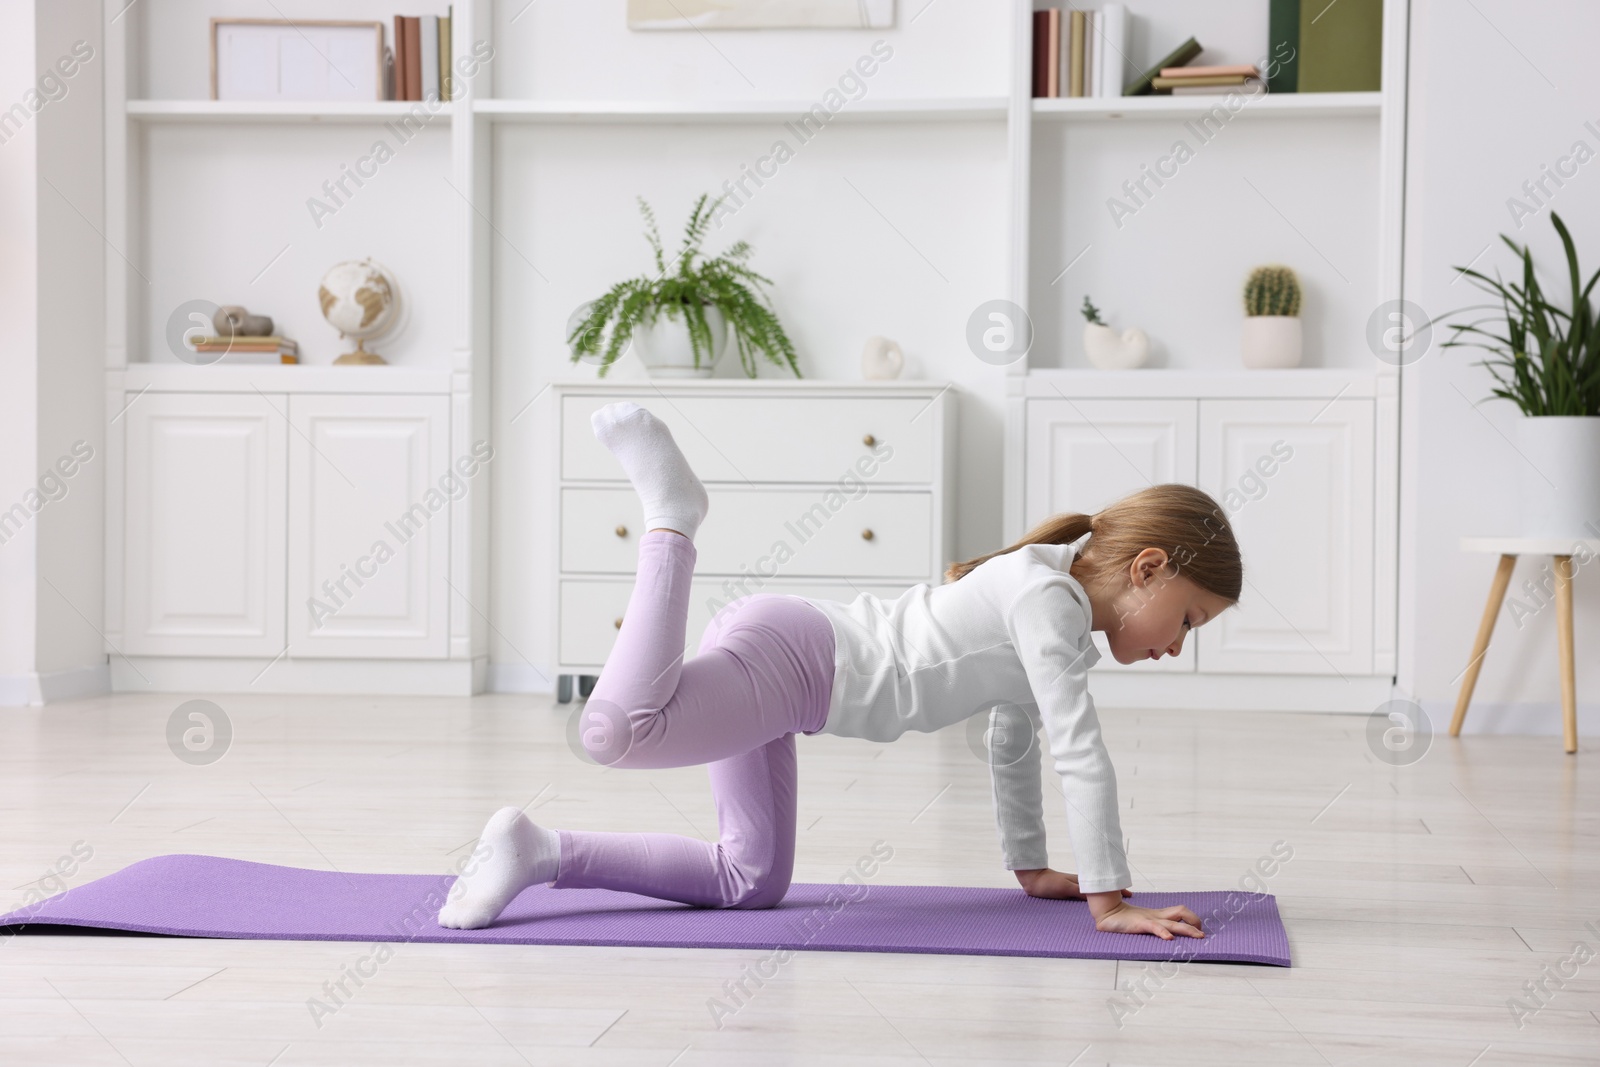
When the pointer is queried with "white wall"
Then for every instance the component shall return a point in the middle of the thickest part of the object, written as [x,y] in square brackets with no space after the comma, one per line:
[52,275]
[1497,89]
[1280,189]
[297,229]
[18,351]
[872,228]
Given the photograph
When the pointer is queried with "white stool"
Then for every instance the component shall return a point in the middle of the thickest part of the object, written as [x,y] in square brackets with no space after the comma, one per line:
[1559,549]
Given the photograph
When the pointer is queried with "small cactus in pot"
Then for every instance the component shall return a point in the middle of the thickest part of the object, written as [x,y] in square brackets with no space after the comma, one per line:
[1272,290]
[1271,335]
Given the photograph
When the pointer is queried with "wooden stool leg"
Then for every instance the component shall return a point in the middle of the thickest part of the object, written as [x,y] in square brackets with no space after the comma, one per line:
[1497,594]
[1569,688]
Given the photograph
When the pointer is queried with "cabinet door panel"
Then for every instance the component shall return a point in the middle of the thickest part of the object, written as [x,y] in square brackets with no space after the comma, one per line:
[205,525]
[1296,479]
[1085,454]
[369,522]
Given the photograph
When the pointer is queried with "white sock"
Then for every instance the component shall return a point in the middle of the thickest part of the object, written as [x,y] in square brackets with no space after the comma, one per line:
[521,853]
[672,496]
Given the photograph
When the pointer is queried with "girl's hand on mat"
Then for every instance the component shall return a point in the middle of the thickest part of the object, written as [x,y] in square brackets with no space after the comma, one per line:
[1114,915]
[1052,885]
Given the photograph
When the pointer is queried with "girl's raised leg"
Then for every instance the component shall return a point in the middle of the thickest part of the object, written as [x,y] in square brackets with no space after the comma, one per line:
[761,676]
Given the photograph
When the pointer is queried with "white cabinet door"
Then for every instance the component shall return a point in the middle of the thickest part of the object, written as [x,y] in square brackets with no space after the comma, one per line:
[1085,454]
[369,525]
[1296,480]
[205,525]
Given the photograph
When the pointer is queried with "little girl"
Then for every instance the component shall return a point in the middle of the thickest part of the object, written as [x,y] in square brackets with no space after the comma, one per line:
[1008,631]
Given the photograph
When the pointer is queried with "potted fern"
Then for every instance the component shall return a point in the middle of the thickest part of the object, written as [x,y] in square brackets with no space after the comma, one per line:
[678,320]
[1551,360]
[1271,335]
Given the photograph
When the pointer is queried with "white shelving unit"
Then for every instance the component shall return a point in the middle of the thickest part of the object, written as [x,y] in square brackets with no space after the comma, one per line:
[319,457]
[1075,435]
[656,111]
[232,111]
[1303,105]
[180,216]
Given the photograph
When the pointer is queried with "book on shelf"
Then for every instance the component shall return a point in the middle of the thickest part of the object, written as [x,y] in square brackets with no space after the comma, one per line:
[1075,60]
[246,358]
[250,350]
[1052,82]
[1113,33]
[1321,48]
[1094,78]
[428,78]
[1250,86]
[1087,86]
[1242,70]
[1088,53]
[422,57]
[1176,58]
[1041,50]
[447,78]
[413,31]
[1214,81]
[1078,52]
[1341,48]
[1283,45]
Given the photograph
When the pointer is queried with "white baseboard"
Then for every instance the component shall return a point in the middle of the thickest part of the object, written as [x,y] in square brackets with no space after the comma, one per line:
[1356,694]
[520,678]
[74,683]
[1540,718]
[226,674]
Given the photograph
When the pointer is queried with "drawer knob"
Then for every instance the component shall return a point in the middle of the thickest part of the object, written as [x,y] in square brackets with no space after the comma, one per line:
[869,440]
[622,531]
[618,623]
[866,535]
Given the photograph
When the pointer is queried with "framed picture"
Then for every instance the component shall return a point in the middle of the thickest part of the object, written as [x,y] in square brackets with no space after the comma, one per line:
[305,59]
[759,14]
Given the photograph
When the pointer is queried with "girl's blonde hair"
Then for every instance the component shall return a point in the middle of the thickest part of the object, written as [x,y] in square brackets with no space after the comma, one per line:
[1180,519]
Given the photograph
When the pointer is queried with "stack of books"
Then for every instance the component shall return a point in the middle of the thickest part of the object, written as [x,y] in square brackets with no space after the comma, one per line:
[273,349]
[1079,52]
[422,57]
[1207,81]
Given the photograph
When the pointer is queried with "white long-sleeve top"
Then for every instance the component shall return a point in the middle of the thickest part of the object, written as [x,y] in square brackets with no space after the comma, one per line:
[1015,630]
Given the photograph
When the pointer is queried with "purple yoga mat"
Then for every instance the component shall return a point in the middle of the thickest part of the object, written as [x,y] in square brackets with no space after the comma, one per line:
[212,896]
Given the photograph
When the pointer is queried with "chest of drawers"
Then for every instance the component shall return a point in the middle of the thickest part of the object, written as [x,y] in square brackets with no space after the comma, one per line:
[820,489]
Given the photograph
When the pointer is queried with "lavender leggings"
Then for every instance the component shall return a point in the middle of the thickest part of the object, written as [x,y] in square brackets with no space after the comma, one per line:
[763,673]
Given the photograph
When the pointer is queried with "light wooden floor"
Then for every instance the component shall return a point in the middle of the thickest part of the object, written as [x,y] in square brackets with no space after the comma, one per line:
[1418,900]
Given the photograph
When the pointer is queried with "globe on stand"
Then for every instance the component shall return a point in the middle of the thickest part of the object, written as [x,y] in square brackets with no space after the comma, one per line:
[360,299]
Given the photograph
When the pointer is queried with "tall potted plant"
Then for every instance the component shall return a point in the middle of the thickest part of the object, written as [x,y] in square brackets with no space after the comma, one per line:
[677,320]
[1547,361]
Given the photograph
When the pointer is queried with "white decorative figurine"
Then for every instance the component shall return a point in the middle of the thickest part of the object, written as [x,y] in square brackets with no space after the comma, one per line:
[881,359]
[1107,349]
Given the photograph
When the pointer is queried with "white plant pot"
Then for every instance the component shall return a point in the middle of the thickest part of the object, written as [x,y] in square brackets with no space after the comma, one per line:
[1559,486]
[664,348]
[1109,350]
[1270,341]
